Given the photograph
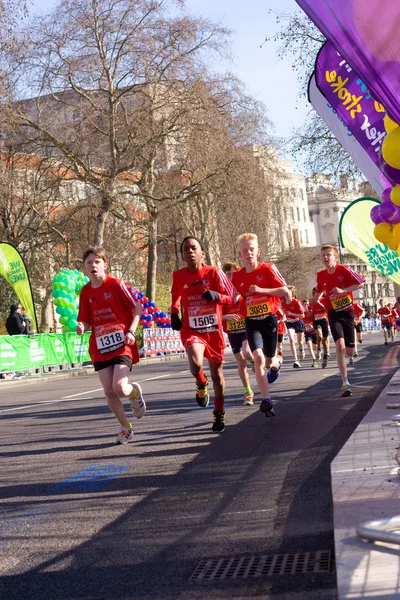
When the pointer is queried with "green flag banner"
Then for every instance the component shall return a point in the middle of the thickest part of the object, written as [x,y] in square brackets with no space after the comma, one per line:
[357,235]
[21,352]
[13,269]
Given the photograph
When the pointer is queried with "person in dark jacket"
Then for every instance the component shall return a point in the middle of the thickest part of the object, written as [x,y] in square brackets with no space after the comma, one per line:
[14,323]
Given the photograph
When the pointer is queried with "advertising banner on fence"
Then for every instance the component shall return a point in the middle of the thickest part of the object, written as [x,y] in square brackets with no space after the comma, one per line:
[21,352]
[12,268]
[357,235]
[366,33]
[345,136]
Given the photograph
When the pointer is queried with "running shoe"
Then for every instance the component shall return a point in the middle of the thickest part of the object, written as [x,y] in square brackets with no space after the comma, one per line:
[296,364]
[355,354]
[314,363]
[324,361]
[202,397]
[360,341]
[346,390]
[248,399]
[273,374]
[125,436]
[328,354]
[351,362]
[386,343]
[138,404]
[219,421]
[267,408]
[302,353]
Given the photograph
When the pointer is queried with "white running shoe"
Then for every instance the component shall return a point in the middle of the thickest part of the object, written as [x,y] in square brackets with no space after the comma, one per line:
[248,399]
[137,402]
[296,364]
[125,436]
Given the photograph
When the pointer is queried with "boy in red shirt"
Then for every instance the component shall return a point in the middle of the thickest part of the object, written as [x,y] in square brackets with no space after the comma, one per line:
[338,283]
[321,327]
[395,318]
[310,334]
[294,312]
[358,314]
[235,328]
[282,330]
[385,314]
[202,290]
[107,308]
[260,286]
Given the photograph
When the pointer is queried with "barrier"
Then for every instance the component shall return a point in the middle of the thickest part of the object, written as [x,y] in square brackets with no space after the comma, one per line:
[161,341]
[371,324]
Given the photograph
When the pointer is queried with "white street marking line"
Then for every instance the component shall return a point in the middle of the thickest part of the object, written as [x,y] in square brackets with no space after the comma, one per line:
[364,469]
[82,393]
[38,404]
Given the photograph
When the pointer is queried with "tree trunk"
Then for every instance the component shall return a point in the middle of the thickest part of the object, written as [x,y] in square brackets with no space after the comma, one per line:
[151,282]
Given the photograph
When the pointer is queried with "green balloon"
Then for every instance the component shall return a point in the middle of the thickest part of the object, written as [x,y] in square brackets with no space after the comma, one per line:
[72,324]
[68,312]
[57,301]
[63,320]
[60,310]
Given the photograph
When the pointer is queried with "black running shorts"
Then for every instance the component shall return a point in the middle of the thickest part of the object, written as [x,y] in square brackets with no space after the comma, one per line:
[263,333]
[341,323]
[312,337]
[358,327]
[236,341]
[117,360]
[322,324]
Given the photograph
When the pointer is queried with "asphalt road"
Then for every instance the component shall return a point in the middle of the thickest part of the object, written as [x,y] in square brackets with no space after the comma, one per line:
[81,518]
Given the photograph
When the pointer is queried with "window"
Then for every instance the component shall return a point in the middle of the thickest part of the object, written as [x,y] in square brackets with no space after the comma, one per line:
[304,215]
[301,237]
[295,238]
[292,214]
[301,194]
[379,289]
[327,214]
[298,213]
[306,234]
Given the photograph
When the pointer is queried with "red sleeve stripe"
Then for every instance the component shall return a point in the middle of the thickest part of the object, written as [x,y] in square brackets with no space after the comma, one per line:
[226,283]
[278,275]
[127,293]
[357,276]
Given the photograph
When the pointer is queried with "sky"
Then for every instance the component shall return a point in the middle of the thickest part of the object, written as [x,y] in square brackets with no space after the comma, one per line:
[267,78]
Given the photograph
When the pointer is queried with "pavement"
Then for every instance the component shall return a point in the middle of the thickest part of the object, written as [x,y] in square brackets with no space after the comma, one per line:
[366,487]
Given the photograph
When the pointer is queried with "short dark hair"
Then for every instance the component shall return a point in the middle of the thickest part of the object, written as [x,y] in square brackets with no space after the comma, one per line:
[192,237]
[230,266]
[97,251]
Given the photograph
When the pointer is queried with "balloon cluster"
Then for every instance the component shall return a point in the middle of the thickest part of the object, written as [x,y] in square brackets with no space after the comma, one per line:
[386,216]
[67,285]
[151,315]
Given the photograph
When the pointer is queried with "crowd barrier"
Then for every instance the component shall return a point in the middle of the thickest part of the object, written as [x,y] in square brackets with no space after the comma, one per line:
[161,341]
[371,324]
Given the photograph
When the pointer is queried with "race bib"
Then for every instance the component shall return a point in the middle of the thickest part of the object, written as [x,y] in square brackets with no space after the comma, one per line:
[342,303]
[204,322]
[259,310]
[308,327]
[109,338]
[234,326]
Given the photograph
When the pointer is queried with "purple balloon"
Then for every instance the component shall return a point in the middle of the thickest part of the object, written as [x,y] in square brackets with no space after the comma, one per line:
[375,214]
[391,173]
[389,212]
[386,194]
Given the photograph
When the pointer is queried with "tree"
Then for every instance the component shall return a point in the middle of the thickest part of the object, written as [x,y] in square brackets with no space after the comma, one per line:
[103,78]
[300,41]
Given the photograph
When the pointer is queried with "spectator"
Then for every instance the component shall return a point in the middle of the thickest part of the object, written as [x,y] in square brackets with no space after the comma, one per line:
[25,318]
[14,323]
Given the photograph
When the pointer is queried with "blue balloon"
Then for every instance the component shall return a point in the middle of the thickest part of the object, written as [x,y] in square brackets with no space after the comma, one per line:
[163,315]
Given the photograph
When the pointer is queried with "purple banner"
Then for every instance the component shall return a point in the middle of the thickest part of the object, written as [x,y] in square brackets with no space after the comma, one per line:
[348,95]
[366,33]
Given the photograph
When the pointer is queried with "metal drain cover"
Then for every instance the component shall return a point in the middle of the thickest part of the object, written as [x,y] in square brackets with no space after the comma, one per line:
[242,567]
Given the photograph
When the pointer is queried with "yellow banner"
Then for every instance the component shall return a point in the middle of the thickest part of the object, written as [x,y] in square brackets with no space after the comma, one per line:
[357,235]
[13,269]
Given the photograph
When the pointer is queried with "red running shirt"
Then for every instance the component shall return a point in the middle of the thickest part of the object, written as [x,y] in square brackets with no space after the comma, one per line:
[258,306]
[342,277]
[358,311]
[199,315]
[385,314]
[233,326]
[317,311]
[293,309]
[109,310]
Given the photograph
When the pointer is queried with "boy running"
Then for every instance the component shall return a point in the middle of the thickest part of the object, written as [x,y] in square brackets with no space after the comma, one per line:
[386,321]
[294,312]
[310,334]
[109,310]
[260,286]
[338,282]
[202,289]
[235,328]
[358,314]
[321,326]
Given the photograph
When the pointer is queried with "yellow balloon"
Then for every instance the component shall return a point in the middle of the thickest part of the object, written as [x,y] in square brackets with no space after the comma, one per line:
[391,148]
[396,235]
[389,123]
[395,195]
[384,233]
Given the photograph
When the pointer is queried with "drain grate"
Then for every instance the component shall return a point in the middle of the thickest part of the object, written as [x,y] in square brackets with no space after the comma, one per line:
[242,567]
